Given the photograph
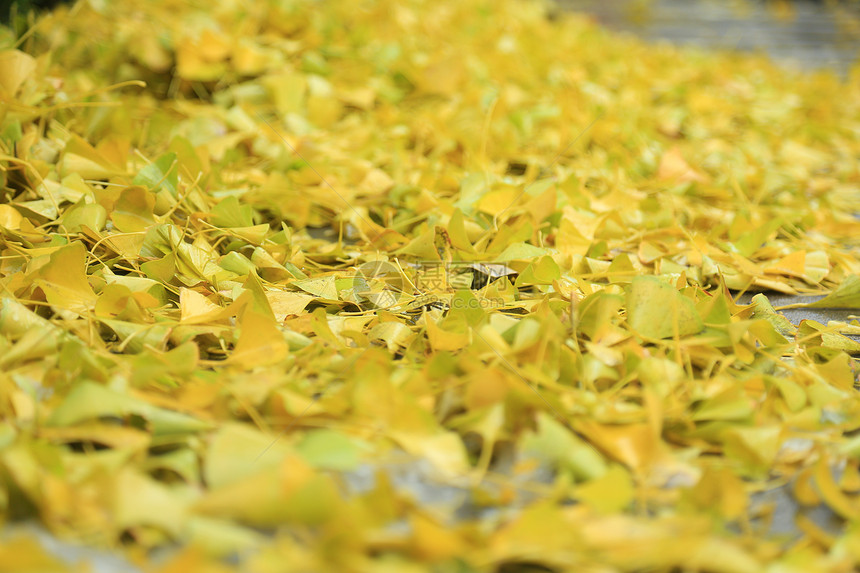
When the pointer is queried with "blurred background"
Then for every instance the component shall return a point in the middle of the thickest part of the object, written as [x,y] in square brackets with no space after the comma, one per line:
[809,34]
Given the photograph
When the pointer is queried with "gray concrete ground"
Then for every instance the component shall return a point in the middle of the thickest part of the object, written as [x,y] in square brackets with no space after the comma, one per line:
[78,558]
[813,36]
[795,315]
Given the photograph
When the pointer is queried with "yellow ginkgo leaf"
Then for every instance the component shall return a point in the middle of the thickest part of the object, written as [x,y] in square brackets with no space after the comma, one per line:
[15,68]
[64,279]
[657,310]
[260,342]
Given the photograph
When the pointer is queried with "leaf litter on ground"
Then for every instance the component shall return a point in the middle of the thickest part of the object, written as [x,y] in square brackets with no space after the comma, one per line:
[256,256]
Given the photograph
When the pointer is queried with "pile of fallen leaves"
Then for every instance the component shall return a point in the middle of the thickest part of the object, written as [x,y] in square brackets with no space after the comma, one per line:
[420,286]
